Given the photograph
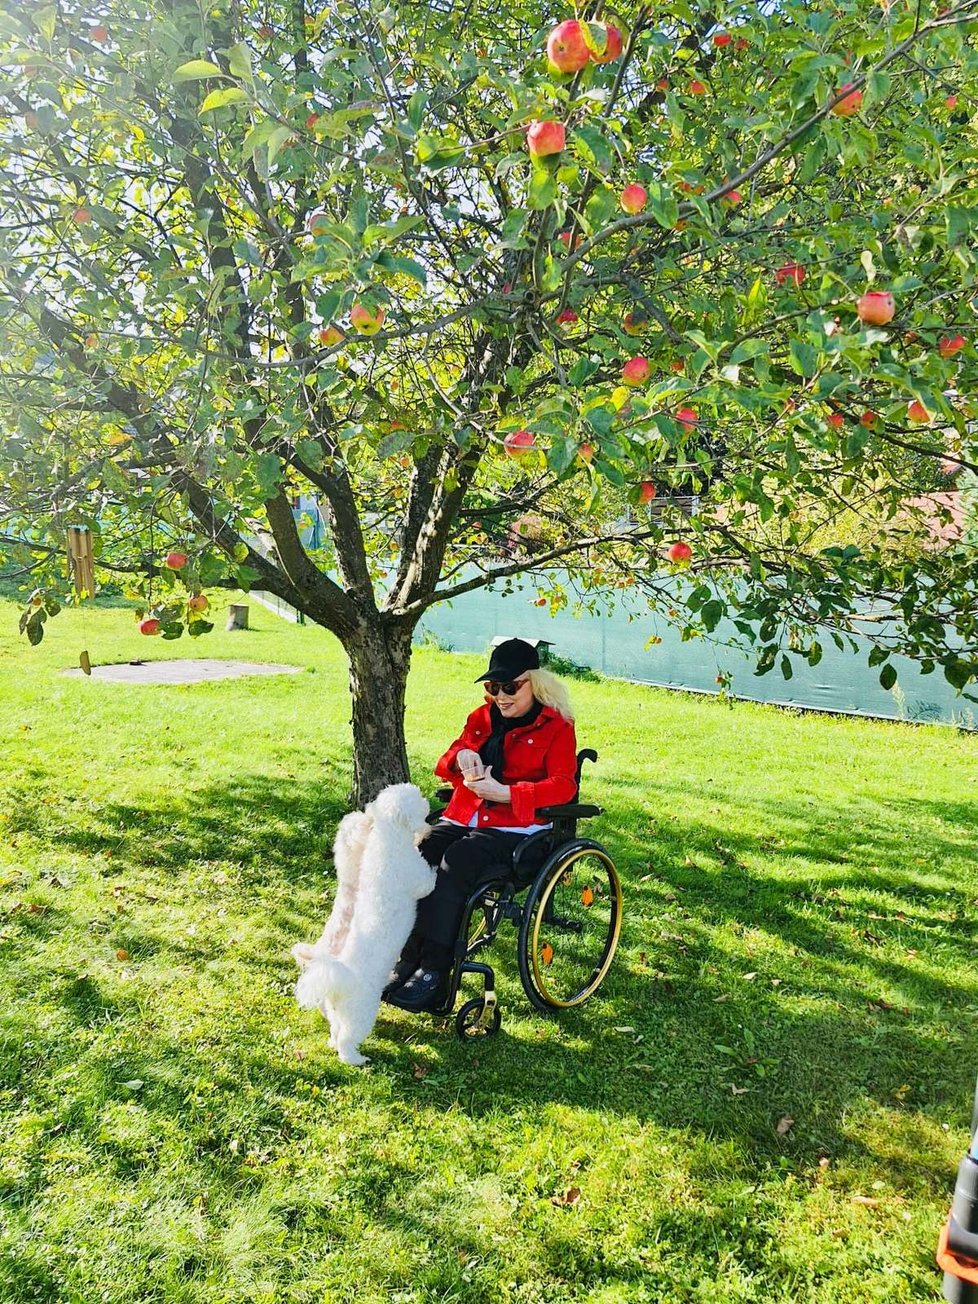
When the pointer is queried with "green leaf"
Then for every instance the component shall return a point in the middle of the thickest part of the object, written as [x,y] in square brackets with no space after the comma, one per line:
[45,19]
[222,98]
[960,224]
[198,627]
[407,266]
[239,62]
[803,358]
[195,70]
[582,370]
[663,204]
[275,142]
[591,147]
[959,673]
[543,189]
[786,670]
[888,676]
[268,473]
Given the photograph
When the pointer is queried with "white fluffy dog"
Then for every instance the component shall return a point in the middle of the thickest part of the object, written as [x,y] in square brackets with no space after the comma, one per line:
[344,973]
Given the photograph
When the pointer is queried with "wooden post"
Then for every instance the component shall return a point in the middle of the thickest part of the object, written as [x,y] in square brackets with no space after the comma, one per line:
[81,560]
[237,616]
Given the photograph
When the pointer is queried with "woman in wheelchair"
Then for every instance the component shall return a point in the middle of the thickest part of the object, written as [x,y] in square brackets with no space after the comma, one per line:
[516,755]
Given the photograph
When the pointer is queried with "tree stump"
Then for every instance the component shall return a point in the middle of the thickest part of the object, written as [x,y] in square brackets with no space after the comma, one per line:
[237,616]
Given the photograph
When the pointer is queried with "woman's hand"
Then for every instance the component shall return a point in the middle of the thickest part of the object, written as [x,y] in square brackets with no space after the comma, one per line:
[469,764]
[488,788]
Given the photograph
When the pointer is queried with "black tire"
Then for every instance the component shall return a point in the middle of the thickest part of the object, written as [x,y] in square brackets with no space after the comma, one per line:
[571,924]
[468,1021]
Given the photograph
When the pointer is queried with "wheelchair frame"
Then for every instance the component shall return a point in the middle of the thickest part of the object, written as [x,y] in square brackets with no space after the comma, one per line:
[497,901]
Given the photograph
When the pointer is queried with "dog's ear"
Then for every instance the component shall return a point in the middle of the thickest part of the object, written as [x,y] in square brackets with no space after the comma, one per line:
[303,953]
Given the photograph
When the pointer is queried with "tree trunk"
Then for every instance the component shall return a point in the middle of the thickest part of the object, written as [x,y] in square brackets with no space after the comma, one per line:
[380,657]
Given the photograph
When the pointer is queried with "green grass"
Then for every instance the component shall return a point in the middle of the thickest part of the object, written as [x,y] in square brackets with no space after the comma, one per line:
[799,942]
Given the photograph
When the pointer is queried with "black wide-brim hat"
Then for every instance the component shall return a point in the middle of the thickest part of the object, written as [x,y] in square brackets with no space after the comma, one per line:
[511,658]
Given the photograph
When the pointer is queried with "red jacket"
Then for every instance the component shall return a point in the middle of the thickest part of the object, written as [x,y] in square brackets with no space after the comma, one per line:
[540,765]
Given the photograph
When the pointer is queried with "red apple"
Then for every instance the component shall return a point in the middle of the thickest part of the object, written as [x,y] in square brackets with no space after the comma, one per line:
[636,371]
[567,50]
[311,121]
[687,418]
[330,335]
[635,323]
[793,272]
[565,239]
[662,84]
[198,602]
[567,316]
[539,602]
[367,321]
[81,216]
[836,420]
[732,198]
[149,626]
[585,452]
[634,198]
[613,48]
[547,137]
[696,88]
[679,553]
[721,39]
[951,344]
[91,341]
[741,43]
[868,419]
[518,441]
[99,33]
[175,560]
[951,101]
[507,287]
[646,492]
[850,104]
[678,366]
[876,307]
[917,413]
[265,31]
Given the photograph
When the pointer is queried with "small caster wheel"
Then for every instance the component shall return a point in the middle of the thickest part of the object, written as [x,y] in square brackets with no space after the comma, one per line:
[474,1020]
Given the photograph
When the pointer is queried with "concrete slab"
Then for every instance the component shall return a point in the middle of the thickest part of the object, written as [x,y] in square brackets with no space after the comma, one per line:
[181,672]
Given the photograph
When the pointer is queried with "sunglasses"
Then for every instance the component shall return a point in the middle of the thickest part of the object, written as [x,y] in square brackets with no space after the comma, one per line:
[509,686]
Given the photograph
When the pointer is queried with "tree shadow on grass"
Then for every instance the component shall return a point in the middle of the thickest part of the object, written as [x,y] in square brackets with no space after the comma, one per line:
[739,995]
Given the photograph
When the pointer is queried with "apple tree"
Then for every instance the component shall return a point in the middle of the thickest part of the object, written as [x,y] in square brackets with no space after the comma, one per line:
[500,290]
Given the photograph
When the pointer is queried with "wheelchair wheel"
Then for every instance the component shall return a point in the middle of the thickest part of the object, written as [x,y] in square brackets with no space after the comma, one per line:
[472,1021]
[570,928]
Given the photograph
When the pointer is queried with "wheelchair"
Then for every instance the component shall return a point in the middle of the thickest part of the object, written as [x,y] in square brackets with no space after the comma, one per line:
[568,923]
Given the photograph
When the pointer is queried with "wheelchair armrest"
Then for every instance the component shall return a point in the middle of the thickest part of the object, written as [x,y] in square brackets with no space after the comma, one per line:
[572,810]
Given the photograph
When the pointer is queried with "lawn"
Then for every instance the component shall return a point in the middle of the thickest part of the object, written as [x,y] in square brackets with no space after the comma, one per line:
[766,1101]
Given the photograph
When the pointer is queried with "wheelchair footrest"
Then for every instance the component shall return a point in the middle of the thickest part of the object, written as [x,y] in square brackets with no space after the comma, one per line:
[561,921]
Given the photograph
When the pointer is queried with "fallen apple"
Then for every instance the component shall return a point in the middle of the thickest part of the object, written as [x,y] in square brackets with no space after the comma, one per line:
[544,138]
[875,307]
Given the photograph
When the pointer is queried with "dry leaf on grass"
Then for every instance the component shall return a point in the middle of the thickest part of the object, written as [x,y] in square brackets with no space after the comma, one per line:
[785,1124]
[568,1197]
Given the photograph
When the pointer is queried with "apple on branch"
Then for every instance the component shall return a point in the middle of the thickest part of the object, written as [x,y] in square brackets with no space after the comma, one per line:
[175,560]
[636,371]
[585,452]
[679,553]
[366,320]
[330,335]
[150,625]
[687,418]
[545,138]
[646,492]
[635,323]
[567,317]
[875,307]
[634,198]
[613,45]
[836,420]
[849,104]
[720,39]
[790,273]
[81,216]
[197,602]
[917,413]
[696,88]
[948,345]
[567,50]
[518,442]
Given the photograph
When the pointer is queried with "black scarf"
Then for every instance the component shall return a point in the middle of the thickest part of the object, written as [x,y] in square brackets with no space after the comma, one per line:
[491,751]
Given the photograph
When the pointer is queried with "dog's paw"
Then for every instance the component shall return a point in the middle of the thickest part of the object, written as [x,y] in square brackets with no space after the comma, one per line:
[352,1056]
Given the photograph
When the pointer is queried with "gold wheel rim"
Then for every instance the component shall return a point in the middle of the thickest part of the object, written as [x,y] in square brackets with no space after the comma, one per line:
[597,977]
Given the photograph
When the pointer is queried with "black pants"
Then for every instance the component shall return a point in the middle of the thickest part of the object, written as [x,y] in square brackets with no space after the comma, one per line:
[465,859]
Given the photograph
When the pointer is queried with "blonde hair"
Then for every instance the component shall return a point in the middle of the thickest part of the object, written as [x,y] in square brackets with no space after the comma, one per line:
[548,690]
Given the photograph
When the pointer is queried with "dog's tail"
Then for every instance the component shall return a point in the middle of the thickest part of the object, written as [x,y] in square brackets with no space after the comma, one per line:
[322,976]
